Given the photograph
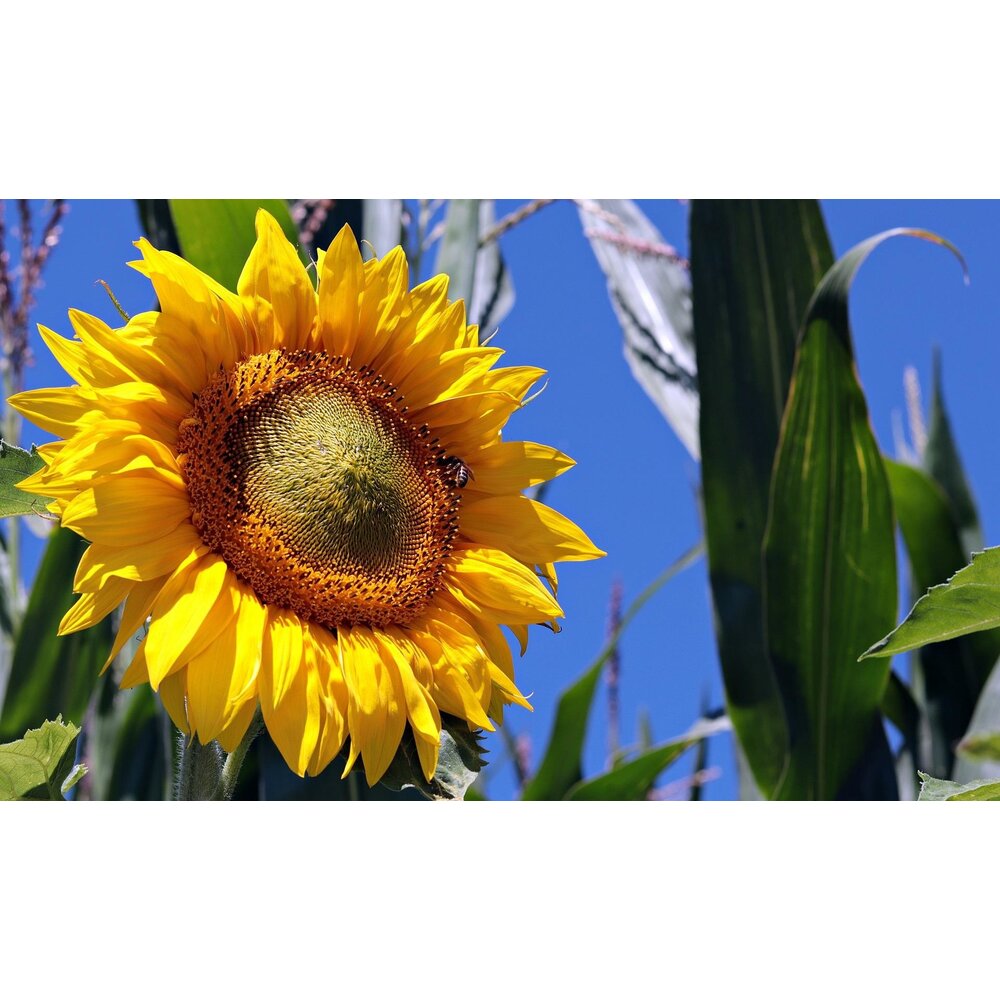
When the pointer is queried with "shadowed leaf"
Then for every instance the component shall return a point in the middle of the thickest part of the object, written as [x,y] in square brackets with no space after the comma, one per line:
[755,266]
[53,674]
[830,559]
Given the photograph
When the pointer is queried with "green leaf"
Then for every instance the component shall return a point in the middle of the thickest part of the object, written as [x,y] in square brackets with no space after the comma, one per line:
[17,464]
[937,790]
[562,766]
[38,765]
[634,779]
[51,674]
[218,235]
[459,247]
[651,297]
[968,602]
[944,464]
[829,553]
[948,676]
[754,267]
[925,518]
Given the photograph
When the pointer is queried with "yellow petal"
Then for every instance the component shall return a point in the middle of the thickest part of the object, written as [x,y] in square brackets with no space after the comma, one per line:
[71,354]
[425,720]
[526,529]
[58,411]
[450,374]
[284,642]
[221,677]
[428,756]
[231,737]
[131,509]
[136,672]
[134,615]
[187,296]
[324,656]
[293,719]
[380,310]
[375,707]
[341,280]
[151,347]
[512,466]
[491,583]
[151,561]
[92,608]
[276,289]
[520,632]
[196,603]
[173,691]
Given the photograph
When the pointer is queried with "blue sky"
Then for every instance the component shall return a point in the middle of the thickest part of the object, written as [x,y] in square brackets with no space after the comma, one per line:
[633,489]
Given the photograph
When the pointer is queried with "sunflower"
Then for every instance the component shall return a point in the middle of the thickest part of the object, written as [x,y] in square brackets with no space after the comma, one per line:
[306,495]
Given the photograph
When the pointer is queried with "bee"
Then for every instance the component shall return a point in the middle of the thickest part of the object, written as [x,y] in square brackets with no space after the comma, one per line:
[459,469]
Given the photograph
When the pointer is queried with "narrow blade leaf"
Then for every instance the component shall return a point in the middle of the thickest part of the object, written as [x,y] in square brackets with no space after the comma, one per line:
[944,464]
[562,766]
[829,553]
[53,674]
[634,779]
[755,266]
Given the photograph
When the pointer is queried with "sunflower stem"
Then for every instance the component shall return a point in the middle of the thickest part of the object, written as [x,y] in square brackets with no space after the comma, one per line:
[200,770]
[234,762]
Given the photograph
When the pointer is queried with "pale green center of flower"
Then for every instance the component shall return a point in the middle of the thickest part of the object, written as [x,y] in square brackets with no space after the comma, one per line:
[337,478]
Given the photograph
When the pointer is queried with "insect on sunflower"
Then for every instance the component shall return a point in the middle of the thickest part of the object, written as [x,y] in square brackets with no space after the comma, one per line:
[306,495]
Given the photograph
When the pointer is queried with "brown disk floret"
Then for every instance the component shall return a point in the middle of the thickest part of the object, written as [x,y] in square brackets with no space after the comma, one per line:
[306,476]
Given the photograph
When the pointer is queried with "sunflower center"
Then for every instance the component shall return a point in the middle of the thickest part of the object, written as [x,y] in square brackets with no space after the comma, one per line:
[306,476]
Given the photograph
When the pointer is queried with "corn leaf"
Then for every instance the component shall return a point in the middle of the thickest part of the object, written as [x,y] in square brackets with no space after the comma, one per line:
[829,552]
[754,267]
